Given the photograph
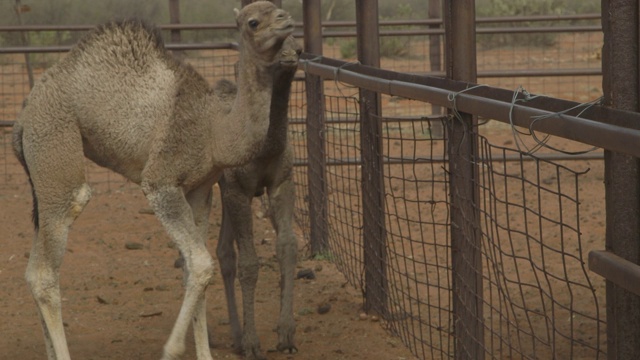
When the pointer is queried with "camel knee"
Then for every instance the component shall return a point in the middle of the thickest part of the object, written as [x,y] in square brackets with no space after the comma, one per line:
[227,259]
[227,266]
[58,212]
[81,197]
[287,247]
[200,270]
[248,271]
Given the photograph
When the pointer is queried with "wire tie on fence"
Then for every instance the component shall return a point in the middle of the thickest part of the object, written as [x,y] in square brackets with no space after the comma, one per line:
[514,130]
[454,108]
[544,142]
[336,73]
[306,62]
[586,106]
[452,98]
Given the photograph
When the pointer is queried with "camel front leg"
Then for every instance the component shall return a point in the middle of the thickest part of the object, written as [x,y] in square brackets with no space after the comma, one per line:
[175,214]
[281,207]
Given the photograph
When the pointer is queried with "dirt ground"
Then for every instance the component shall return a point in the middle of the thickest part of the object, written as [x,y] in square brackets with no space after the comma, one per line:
[121,304]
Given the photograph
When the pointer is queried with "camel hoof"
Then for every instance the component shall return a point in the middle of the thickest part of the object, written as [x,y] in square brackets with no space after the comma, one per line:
[287,348]
[251,351]
[251,355]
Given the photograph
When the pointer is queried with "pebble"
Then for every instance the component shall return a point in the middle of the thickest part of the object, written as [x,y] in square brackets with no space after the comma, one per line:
[306,274]
[133,246]
[363,316]
[324,308]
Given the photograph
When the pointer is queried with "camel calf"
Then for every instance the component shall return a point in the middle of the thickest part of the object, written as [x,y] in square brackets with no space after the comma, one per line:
[270,170]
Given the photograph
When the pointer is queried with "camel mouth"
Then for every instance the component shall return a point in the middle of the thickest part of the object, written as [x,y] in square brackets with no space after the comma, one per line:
[288,28]
[289,63]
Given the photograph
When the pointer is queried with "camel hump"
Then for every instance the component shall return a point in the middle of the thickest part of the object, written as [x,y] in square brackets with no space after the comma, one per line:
[137,32]
[131,42]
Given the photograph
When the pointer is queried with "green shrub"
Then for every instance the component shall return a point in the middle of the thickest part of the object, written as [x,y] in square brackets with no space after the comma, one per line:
[348,49]
[497,8]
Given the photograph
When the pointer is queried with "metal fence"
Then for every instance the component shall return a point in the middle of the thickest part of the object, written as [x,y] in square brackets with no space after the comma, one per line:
[539,300]
[528,250]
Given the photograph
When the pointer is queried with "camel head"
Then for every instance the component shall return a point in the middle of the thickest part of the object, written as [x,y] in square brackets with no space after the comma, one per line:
[263,28]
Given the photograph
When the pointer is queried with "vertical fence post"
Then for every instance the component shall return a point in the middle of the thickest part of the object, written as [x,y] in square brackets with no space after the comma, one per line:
[373,222]
[621,83]
[174,18]
[19,9]
[316,171]
[459,20]
[435,12]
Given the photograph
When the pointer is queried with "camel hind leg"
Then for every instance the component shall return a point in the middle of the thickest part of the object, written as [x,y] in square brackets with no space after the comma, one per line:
[55,163]
[227,258]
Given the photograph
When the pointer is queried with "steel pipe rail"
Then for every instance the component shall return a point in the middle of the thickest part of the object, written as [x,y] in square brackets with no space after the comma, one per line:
[66,48]
[616,269]
[601,127]
[326,24]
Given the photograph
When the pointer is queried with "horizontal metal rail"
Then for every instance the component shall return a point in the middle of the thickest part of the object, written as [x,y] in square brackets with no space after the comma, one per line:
[66,48]
[235,46]
[525,73]
[616,269]
[479,31]
[326,24]
[598,126]
[87,27]
[441,159]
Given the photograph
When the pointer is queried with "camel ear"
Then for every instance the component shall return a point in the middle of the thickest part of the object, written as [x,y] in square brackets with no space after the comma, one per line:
[237,12]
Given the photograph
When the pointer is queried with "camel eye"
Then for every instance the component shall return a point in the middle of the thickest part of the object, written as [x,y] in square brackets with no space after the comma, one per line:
[253,23]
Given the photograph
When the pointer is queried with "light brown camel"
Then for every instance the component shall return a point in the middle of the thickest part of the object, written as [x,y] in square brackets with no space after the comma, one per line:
[121,100]
[271,169]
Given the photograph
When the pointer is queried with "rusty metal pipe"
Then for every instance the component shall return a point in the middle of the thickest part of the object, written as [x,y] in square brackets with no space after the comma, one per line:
[615,137]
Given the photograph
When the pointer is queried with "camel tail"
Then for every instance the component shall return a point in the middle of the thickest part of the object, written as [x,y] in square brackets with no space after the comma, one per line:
[19,151]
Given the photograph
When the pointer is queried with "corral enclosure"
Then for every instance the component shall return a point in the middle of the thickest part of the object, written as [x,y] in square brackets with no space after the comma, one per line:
[538,202]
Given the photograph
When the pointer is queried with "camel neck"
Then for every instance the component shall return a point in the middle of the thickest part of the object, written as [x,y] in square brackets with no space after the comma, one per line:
[248,121]
[278,120]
